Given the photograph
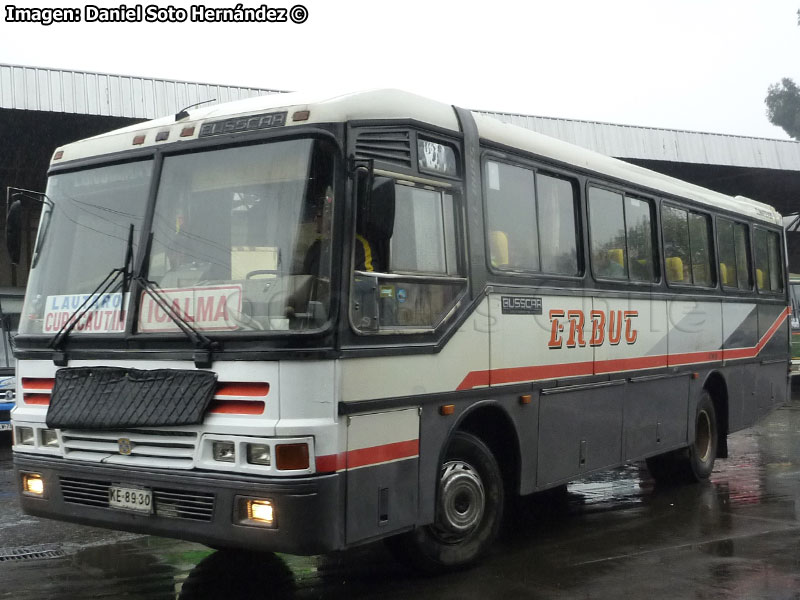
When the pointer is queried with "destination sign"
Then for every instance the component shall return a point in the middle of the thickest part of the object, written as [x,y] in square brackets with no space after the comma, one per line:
[241,124]
[205,308]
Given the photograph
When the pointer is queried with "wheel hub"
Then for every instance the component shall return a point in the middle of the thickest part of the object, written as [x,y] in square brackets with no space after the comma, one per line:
[462,499]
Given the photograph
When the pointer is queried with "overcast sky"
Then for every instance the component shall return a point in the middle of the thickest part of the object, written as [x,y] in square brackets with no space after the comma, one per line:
[701,65]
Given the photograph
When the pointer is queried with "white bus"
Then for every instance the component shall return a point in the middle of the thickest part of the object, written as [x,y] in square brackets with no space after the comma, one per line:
[300,324]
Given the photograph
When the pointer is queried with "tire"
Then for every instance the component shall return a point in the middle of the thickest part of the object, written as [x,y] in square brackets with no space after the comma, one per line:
[469,511]
[696,462]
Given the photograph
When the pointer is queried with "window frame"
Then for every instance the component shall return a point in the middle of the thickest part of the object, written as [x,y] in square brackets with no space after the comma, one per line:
[781,261]
[568,177]
[712,249]
[460,254]
[658,275]
[749,255]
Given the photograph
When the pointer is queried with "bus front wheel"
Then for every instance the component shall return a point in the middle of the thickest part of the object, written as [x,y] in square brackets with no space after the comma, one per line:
[469,510]
[696,462]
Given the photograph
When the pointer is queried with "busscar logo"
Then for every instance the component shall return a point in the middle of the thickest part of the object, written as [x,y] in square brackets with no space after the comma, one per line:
[240,124]
[521,305]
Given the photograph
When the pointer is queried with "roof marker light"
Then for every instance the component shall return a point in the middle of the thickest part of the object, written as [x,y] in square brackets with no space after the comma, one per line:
[138,140]
[301,115]
[187,131]
[162,135]
[58,155]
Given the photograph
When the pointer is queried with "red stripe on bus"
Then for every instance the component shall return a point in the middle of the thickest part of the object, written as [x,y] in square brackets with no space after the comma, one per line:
[522,374]
[30,383]
[331,463]
[381,454]
[365,457]
[41,399]
[630,364]
[253,389]
[236,407]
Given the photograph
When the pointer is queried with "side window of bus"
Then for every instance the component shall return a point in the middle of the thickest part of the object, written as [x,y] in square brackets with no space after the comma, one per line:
[423,240]
[733,244]
[530,220]
[621,232]
[769,274]
[406,270]
[687,246]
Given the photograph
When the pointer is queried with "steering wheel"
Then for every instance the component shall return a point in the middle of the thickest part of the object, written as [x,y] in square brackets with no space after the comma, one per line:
[257,272]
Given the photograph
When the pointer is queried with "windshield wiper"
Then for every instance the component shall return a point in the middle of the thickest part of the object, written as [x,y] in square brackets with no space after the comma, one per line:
[205,345]
[105,287]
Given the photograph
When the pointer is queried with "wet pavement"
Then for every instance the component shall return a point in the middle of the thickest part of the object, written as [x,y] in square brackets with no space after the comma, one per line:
[614,535]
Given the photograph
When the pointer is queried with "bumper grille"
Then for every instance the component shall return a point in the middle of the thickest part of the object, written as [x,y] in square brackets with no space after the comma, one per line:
[148,447]
[5,415]
[176,504]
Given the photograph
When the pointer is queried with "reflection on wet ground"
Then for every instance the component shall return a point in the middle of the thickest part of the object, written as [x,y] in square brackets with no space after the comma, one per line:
[610,536]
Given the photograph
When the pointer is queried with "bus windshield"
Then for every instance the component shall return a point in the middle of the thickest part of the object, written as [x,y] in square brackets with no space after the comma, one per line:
[240,241]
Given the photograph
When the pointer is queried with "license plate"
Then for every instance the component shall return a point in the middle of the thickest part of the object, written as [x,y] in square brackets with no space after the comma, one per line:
[138,499]
[5,426]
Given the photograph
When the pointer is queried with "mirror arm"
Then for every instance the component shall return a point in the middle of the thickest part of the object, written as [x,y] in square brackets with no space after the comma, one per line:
[13,193]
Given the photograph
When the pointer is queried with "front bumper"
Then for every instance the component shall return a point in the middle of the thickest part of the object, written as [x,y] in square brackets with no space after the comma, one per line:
[309,511]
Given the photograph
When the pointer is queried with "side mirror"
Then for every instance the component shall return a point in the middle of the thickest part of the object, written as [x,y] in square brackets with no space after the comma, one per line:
[14,231]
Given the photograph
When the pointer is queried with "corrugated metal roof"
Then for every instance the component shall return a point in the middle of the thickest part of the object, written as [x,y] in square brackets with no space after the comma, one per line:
[648,143]
[82,92]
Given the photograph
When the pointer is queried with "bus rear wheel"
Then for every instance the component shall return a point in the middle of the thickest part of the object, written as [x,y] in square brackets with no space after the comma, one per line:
[696,462]
[469,511]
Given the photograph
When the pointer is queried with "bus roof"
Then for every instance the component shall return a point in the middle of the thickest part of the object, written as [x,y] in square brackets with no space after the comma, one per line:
[389,104]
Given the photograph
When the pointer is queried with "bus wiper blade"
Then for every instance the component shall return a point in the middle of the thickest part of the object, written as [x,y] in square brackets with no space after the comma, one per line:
[205,345]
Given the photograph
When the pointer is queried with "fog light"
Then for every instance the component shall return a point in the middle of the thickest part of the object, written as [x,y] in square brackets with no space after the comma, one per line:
[33,484]
[25,436]
[49,438]
[224,451]
[258,454]
[291,457]
[260,511]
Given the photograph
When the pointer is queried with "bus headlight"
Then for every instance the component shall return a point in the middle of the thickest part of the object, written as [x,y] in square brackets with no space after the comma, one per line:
[224,451]
[24,436]
[258,454]
[49,438]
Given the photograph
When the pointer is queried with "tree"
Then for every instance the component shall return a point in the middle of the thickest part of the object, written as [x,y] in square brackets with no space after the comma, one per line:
[783,106]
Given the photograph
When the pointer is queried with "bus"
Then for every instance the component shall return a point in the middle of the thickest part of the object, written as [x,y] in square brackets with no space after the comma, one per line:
[301,323]
[794,297]
[10,308]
